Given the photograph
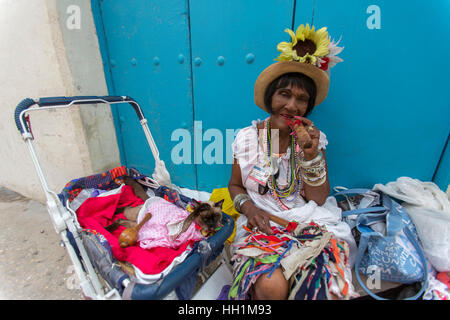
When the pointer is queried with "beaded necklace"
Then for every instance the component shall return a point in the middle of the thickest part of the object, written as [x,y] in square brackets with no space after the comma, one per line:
[293,181]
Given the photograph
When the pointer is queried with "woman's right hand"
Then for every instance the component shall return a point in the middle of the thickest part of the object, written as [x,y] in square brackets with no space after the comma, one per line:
[258,218]
[255,216]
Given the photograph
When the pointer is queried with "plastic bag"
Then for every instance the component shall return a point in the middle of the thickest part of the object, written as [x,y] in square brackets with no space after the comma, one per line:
[433,228]
[429,209]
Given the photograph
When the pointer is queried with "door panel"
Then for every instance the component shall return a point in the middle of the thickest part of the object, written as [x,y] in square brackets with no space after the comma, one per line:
[234,41]
[149,56]
[387,112]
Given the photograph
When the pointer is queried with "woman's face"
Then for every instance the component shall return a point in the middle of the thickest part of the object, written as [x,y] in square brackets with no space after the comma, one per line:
[289,100]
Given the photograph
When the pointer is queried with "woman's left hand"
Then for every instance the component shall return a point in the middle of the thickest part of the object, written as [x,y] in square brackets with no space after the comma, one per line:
[311,151]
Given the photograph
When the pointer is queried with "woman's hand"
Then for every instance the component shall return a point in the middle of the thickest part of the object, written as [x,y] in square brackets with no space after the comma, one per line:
[257,218]
[310,151]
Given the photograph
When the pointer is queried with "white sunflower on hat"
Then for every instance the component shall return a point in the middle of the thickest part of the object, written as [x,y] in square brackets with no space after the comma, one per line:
[309,46]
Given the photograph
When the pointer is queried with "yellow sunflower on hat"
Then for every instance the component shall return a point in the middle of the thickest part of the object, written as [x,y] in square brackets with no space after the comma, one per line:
[308,46]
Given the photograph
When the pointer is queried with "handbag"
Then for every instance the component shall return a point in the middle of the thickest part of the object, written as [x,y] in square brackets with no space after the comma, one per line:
[388,240]
[429,209]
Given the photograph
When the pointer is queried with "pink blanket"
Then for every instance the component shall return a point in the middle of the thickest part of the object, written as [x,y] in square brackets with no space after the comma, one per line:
[96,213]
[155,232]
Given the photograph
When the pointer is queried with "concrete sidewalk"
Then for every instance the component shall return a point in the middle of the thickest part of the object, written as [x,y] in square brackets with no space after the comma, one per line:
[33,265]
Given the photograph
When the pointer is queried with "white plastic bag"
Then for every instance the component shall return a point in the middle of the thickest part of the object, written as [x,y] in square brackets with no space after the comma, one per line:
[429,209]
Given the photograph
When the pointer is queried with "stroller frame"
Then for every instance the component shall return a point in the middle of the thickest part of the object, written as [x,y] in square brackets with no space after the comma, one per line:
[64,219]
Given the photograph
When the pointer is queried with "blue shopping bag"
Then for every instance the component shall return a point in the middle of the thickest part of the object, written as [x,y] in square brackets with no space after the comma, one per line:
[396,253]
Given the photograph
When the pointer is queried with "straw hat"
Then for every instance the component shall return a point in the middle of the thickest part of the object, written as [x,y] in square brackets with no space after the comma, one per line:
[310,52]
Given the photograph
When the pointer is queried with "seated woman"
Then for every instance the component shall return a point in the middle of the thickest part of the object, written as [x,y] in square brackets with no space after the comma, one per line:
[277,170]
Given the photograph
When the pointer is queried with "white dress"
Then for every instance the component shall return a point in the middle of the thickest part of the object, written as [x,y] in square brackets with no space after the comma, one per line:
[248,151]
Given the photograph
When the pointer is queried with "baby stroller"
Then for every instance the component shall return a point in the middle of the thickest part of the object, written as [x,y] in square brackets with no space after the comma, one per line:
[98,270]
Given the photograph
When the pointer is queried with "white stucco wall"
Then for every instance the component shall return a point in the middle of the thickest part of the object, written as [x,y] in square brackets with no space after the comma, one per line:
[36,60]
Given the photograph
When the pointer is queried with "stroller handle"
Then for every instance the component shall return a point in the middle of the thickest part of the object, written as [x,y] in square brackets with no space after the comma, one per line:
[49,102]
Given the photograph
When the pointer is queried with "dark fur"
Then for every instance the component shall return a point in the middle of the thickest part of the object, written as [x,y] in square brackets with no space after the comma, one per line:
[208,215]
[131,213]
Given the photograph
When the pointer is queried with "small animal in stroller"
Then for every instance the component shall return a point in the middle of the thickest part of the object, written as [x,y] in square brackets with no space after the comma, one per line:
[207,214]
[129,236]
[131,213]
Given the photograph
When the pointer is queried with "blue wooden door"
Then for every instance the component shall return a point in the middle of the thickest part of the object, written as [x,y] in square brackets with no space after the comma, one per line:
[192,65]
[388,109]
[145,48]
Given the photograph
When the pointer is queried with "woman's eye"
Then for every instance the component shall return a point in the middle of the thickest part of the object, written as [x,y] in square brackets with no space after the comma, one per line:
[303,98]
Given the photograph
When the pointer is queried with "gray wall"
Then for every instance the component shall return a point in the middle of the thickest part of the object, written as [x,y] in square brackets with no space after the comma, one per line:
[48,50]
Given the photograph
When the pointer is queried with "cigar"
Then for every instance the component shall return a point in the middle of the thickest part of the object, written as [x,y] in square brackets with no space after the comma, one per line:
[282,222]
[303,137]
